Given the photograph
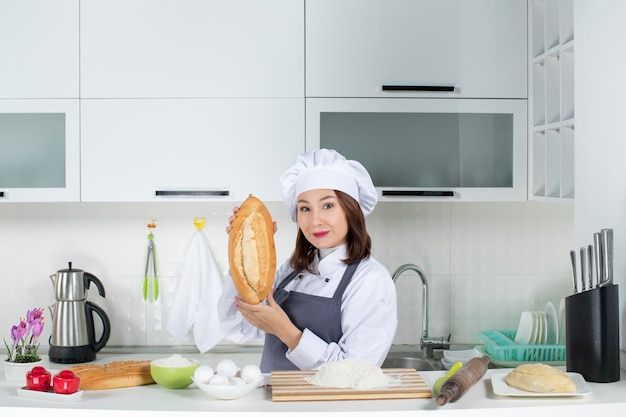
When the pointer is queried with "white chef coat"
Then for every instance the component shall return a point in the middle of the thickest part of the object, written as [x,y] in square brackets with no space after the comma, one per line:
[369,312]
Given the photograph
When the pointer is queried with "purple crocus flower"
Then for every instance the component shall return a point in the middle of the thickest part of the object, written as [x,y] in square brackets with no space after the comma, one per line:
[24,336]
[17,332]
[35,322]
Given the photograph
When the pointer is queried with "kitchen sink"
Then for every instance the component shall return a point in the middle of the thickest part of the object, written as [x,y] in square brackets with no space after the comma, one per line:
[412,361]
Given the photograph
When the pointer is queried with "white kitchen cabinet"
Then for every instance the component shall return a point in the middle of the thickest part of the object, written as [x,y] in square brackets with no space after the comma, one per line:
[39,150]
[192,48]
[428,149]
[39,49]
[551,100]
[476,48]
[221,149]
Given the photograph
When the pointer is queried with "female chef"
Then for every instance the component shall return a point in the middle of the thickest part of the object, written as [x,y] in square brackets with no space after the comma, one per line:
[332,300]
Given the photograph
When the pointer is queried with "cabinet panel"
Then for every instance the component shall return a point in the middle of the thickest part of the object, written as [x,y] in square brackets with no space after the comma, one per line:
[551,100]
[39,49]
[192,48]
[133,148]
[478,46]
[39,150]
[455,150]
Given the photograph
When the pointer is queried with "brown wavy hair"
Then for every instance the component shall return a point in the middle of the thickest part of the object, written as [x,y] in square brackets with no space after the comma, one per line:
[358,241]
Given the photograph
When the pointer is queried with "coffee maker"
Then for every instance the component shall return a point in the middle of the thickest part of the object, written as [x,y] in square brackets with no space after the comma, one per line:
[73,338]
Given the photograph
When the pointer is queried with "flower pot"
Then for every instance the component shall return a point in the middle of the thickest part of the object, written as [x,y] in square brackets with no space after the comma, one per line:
[15,373]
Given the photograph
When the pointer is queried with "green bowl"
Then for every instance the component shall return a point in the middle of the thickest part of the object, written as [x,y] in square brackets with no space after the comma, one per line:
[173,377]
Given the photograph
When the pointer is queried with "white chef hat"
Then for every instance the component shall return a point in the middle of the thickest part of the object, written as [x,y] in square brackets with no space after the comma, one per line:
[326,168]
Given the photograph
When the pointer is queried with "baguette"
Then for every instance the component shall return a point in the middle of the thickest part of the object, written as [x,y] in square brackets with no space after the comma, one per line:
[251,251]
[111,375]
[539,377]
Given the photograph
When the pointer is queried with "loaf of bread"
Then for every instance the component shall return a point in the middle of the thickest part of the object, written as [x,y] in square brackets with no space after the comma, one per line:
[251,251]
[118,374]
[539,377]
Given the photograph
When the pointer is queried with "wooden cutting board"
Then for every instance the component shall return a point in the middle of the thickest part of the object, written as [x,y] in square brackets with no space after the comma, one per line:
[293,386]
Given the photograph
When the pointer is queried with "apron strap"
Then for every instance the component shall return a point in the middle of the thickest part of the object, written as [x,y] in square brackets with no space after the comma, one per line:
[345,280]
[287,279]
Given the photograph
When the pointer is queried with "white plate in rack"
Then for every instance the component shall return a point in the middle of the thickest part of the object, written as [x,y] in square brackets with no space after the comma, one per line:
[524,332]
[561,316]
[500,387]
[552,320]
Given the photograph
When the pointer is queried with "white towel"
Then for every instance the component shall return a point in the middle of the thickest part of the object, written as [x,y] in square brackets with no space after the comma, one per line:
[196,297]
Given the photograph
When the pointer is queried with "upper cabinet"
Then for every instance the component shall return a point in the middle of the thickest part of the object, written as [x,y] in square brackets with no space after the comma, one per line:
[39,49]
[39,150]
[185,149]
[192,48]
[551,100]
[428,149]
[416,48]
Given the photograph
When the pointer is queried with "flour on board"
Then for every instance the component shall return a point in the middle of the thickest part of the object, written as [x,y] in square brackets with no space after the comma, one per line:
[349,373]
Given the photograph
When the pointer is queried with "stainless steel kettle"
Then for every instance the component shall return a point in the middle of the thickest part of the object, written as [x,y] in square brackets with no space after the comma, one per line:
[73,338]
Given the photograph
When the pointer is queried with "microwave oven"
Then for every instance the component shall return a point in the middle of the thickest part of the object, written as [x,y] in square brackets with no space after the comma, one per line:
[428,149]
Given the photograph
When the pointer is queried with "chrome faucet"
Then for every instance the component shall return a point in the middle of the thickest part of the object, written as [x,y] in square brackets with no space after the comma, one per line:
[427,344]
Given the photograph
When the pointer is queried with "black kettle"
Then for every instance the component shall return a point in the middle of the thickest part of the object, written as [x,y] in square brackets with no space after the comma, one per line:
[73,338]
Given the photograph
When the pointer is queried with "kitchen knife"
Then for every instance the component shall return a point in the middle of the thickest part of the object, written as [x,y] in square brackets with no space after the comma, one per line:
[589,255]
[607,245]
[598,252]
[572,256]
[583,268]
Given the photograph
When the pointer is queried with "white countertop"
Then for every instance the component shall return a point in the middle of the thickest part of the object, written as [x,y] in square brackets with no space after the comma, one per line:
[153,400]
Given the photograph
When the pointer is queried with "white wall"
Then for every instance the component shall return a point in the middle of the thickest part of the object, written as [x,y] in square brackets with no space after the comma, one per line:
[600,89]
[486,261]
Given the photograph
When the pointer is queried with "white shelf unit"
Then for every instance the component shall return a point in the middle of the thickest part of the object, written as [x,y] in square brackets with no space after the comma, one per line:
[551,100]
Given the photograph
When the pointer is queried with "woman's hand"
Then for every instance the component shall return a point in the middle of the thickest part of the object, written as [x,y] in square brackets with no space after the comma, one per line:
[231,219]
[270,318]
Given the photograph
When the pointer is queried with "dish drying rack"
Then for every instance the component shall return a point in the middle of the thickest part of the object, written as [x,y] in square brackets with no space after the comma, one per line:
[500,345]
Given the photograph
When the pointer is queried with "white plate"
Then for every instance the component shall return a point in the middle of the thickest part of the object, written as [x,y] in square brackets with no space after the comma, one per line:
[228,392]
[544,327]
[500,387]
[525,328]
[49,395]
[561,339]
[536,331]
[553,324]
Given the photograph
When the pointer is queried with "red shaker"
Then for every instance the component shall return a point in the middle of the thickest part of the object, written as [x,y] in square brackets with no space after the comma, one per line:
[38,379]
[65,382]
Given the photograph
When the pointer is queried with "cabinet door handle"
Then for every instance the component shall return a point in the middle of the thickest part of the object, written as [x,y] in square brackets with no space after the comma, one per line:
[1,194]
[449,88]
[418,193]
[192,193]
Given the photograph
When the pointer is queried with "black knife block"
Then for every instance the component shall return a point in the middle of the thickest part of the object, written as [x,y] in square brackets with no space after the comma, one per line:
[592,334]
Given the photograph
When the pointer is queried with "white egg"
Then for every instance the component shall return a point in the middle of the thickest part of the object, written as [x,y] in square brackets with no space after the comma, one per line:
[227,368]
[203,373]
[250,373]
[237,381]
[219,379]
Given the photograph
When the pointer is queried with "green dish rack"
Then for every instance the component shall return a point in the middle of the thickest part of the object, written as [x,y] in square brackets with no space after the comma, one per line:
[500,345]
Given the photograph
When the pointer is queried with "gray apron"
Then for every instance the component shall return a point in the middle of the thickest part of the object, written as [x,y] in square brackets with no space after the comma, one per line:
[321,315]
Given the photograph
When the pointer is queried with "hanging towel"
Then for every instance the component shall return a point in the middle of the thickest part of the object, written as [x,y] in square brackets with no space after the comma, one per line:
[196,297]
